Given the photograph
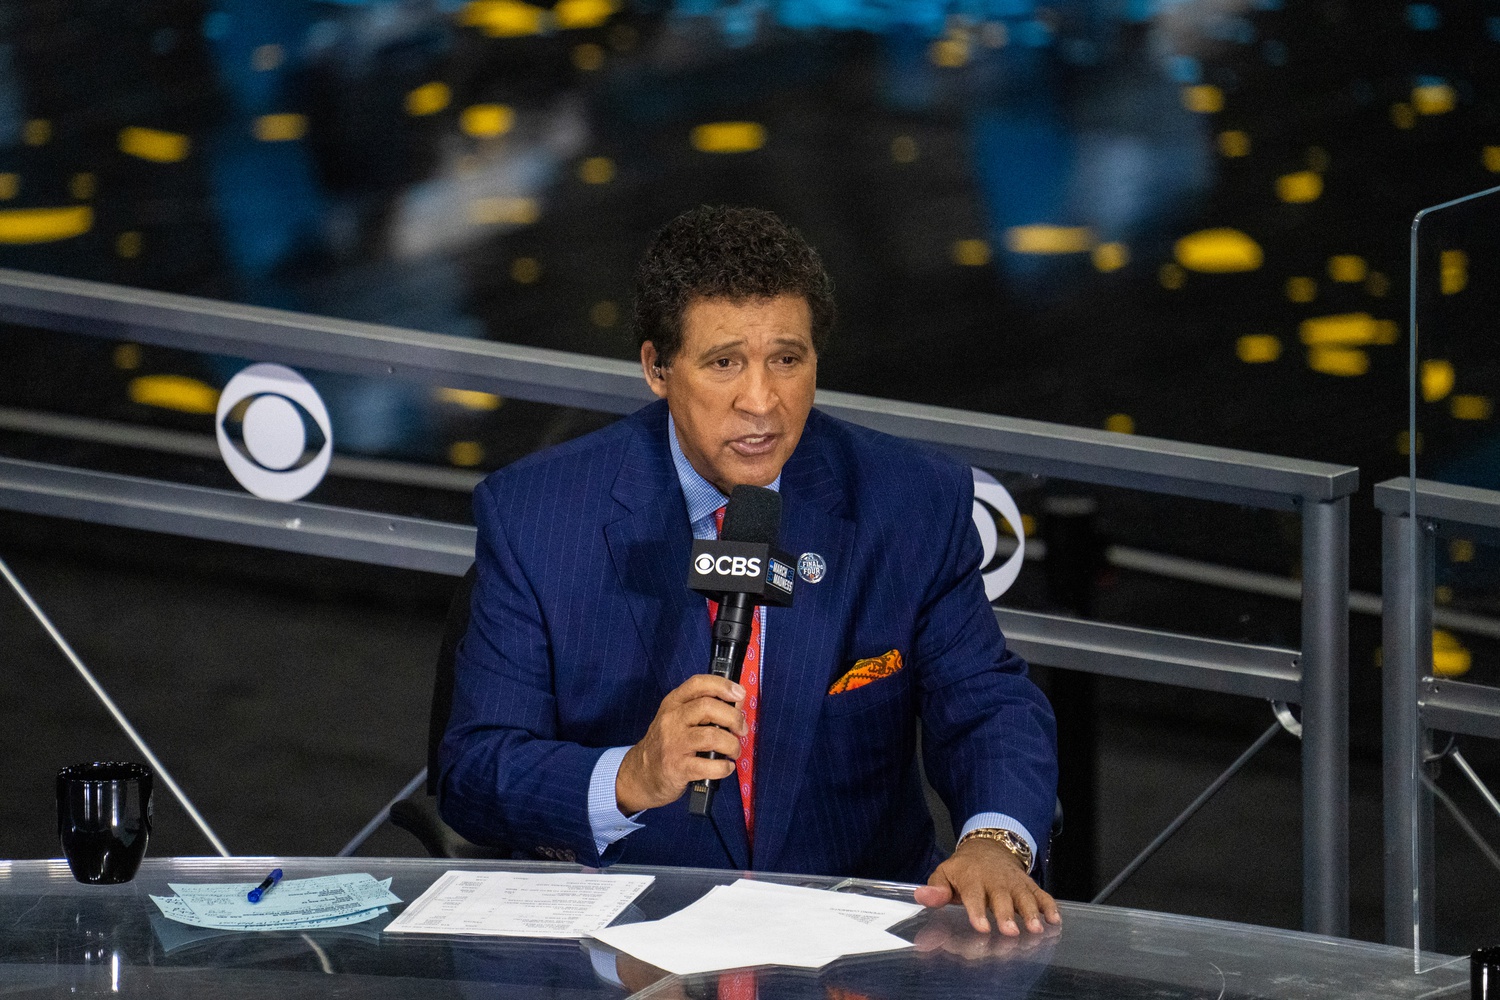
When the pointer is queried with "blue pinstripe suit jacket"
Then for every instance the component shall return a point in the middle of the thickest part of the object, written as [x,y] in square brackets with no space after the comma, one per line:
[582,623]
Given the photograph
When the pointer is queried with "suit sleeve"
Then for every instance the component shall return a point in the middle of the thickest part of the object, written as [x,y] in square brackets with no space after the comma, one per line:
[989,737]
[506,777]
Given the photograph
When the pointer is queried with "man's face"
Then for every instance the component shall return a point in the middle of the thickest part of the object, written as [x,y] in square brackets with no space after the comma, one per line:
[741,386]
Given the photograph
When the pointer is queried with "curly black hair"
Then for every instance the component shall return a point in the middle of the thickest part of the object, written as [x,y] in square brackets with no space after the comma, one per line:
[719,251]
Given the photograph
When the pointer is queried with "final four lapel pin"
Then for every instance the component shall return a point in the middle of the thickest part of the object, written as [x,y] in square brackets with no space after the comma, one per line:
[811,567]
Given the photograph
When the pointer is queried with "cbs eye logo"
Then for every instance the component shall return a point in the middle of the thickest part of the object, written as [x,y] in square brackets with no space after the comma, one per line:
[992,504]
[704,564]
[274,432]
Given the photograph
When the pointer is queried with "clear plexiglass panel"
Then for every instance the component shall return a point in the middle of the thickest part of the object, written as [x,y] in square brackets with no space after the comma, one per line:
[1444,756]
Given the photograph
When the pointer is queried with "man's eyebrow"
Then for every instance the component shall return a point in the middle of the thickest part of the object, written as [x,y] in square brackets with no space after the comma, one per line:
[724,345]
[785,341]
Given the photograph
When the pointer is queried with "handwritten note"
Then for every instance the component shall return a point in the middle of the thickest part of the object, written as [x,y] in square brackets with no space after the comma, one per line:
[294,904]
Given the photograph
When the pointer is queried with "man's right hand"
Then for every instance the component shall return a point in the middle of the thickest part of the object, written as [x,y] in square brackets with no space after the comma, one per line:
[702,714]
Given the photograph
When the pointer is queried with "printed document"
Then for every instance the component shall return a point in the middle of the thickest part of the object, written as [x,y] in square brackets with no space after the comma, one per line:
[520,904]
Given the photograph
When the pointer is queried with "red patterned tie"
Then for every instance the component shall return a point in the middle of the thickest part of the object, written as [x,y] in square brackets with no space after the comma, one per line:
[750,681]
[737,985]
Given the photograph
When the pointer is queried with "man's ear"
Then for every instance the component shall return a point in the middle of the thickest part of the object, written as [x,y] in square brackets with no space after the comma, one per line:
[652,368]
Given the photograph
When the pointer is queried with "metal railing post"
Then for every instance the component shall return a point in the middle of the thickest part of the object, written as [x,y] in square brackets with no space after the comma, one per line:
[1325,717]
[1406,594]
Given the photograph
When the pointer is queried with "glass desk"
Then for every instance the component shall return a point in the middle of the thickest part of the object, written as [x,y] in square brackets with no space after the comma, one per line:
[58,937]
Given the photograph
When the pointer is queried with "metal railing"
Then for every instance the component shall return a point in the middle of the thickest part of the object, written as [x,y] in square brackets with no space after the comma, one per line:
[1415,700]
[1316,678]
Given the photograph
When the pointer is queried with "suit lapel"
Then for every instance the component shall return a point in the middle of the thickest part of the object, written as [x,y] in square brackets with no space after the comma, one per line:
[802,643]
[650,563]
[650,547]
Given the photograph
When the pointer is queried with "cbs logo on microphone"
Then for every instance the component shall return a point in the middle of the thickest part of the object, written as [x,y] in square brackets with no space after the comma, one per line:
[705,564]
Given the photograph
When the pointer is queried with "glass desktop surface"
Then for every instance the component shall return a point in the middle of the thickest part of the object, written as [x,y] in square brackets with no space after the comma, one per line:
[59,937]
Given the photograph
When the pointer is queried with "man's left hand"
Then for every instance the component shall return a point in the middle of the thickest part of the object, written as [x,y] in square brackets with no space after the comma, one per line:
[985,877]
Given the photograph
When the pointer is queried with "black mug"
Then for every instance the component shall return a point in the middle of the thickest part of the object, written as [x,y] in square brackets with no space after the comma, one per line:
[104,819]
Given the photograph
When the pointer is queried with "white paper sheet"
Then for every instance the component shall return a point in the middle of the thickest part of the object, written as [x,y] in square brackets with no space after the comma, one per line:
[746,924]
[873,911]
[519,904]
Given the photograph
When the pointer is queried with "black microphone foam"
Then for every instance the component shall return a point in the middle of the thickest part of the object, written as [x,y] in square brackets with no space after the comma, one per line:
[753,515]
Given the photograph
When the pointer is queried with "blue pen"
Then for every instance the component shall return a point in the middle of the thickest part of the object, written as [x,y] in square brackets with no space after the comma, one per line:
[254,894]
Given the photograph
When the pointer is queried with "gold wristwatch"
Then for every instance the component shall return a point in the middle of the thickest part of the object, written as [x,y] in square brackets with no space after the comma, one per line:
[1005,838]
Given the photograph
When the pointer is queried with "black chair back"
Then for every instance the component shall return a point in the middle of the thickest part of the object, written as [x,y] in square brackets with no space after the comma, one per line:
[454,627]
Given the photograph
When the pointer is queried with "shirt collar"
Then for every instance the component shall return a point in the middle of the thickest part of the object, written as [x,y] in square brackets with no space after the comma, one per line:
[702,496]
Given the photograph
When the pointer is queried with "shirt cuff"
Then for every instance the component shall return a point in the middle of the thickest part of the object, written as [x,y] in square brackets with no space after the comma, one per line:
[988,821]
[605,818]
[606,964]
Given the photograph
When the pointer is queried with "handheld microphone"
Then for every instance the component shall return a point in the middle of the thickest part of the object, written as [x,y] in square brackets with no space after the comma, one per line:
[740,570]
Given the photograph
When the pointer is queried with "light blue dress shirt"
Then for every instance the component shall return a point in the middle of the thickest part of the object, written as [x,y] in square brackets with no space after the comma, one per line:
[608,823]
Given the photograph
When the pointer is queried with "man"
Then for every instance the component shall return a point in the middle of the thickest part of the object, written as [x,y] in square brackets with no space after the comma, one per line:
[580,703]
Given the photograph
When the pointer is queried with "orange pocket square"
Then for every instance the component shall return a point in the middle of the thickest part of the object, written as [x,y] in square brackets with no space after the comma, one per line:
[867,671]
